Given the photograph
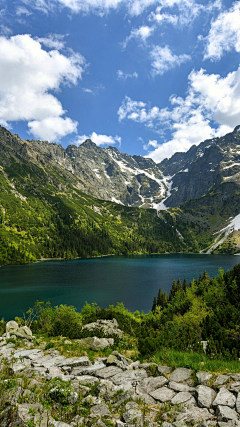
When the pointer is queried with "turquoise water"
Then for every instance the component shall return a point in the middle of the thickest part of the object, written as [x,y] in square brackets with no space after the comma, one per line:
[134,280]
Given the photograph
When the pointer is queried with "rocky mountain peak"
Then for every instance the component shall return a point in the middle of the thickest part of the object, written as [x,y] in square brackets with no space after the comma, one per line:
[88,144]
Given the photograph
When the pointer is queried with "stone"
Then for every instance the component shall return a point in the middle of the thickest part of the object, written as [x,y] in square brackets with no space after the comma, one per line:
[76,361]
[63,396]
[11,327]
[133,416]
[206,396]
[100,410]
[194,414]
[54,372]
[108,372]
[164,370]
[180,375]
[87,379]
[113,360]
[95,343]
[163,394]
[221,379]
[106,327]
[235,377]
[59,424]
[166,424]
[27,353]
[77,421]
[67,342]
[91,369]
[134,375]
[238,403]
[235,387]
[224,413]
[203,377]
[150,384]
[224,398]
[104,388]
[182,397]
[25,414]
[179,387]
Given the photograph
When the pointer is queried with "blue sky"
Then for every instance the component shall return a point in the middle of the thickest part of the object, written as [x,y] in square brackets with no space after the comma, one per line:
[151,77]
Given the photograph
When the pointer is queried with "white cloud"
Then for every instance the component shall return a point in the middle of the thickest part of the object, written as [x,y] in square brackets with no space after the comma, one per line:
[163,59]
[21,10]
[211,108]
[4,30]
[99,139]
[224,34]
[27,74]
[123,76]
[52,128]
[142,33]
[53,41]
[86,90]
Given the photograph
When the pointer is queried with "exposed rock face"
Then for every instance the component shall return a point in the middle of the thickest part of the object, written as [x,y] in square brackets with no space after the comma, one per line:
[105,327]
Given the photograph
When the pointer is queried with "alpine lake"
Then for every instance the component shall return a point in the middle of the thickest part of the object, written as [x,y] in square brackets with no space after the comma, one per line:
[133,280]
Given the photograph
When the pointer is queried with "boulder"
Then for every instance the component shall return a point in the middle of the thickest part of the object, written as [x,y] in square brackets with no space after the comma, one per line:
[179,387]
[206,396]
[194,415]
[129,375]
[105,327]
[100,410]
[150,384]
[224,413]
[182,397]
[164,370]
[163,394]
[221,379]
[180,375]
[11,327]
[224,398]
[108,372]
[203,377]
[25,415]
[95,343]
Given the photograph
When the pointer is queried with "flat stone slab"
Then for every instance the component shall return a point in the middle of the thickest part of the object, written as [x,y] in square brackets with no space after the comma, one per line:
[163,394]
[180,375]
[76,361]
[164,370]
[181,397]
[206,396]
[194,414]
[235,387]
[26,353]
[179,387]
[100,410]
[150,384]
[224,398]
[92,369]
[224,413]
[108,372]
[221,379]
[87,379]
[136,375]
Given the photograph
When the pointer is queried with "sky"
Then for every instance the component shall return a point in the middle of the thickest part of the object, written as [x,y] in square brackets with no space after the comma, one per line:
[150,77]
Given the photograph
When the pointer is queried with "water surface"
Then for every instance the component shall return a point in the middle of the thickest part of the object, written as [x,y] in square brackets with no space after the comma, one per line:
[133,280]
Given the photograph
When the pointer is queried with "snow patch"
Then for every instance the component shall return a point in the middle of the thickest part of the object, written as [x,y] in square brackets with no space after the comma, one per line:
[116,201]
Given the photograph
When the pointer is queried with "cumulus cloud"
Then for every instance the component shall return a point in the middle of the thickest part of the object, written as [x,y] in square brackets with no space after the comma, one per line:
[123,76]
[224,34]
[163,59]
[142,33]
[27,75]
[211,108]
[99,139]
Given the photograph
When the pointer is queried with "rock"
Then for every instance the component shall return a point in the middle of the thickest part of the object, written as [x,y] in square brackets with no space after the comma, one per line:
[163,394]
[194,414]
[135,375]
[91,370]
[119,423]
[182,397]
[54,372]
[179,387]
[108,372]
[87,379]
[165,424]
[106,327]
[67,342]
[224,413]
[150,384]
[27,353]
[95,343]
[221,379]
[104,388]
[59,424]
[180,374]
[206,396]
[82,390]
[224,398]
[235,377]
[63,396]
[75,361]
[203,377]
[113,360]
[238,403]
[164,370]
[77,421]
[11,327]
[133,414]
[25,415]
[235,387]
[100,410]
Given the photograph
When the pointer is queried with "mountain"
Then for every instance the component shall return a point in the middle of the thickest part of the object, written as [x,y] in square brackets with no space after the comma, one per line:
[203,168]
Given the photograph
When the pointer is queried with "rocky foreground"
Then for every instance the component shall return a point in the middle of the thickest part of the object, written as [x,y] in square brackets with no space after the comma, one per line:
[44,388]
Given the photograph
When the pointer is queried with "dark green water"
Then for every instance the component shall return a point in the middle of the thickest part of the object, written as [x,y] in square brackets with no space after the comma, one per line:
[134,280]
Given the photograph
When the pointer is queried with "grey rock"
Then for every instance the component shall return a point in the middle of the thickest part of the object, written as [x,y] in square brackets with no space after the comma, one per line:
[235,387]
[164,370]
[134,375]
[182,397]
[180,374]
[150,384]
[87,379]
[59,424]
[163,394]
[119,423]
[104,388]
[179,387]
[194,414]
[91,369]
[27,353]
[235,377]
[23,415]
[95,343]
[106,327]
[221,379]
[108,372]
[11,326]
[224,398]
[238,403]
[166,424]
[100,410]
[133,416]
[206,396]
[77,421]
[224,413]
[203,377]
[54,372]
[76,361]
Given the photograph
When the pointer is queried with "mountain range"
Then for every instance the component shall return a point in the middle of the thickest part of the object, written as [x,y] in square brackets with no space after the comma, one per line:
[49,195]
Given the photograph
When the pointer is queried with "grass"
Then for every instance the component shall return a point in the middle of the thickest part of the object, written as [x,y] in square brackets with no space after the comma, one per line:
[196,361]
